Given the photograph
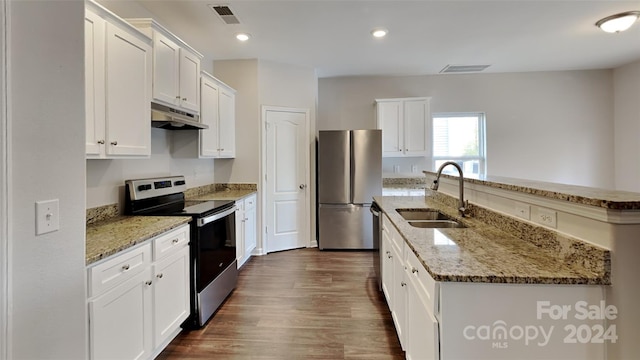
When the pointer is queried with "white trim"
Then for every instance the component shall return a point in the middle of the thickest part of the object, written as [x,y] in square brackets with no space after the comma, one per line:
[263,168]
[5,165]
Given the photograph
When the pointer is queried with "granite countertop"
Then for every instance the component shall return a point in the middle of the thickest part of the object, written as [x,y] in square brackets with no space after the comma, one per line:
[482,253]
[108,237]
[227,194]
[604,198]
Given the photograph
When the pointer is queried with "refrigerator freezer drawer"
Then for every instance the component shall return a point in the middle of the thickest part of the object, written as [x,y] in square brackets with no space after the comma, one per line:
[345,227]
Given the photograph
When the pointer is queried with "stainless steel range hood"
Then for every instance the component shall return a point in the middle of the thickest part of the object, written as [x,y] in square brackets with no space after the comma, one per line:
[164,117]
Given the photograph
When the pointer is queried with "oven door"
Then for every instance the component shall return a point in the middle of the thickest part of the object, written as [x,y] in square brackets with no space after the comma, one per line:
[215,248]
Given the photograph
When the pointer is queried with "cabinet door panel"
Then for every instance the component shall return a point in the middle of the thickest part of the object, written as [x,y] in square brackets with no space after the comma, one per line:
[166,59]
[209,115]
[387,263]
[239,232]
[189,81]
[128,95]
[390,121]
[94,30]
[171,294]
[120,326]
[399,312]
[415,128]
[422,328]
[250,230]
[227,137]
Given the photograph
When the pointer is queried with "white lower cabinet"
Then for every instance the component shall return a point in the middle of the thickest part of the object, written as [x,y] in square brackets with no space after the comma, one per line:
[246,229]
[139,298]
[170,295]
[466,320]
[120,320]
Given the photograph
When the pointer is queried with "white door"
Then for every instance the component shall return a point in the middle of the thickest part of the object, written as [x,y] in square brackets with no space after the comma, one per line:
[287,178]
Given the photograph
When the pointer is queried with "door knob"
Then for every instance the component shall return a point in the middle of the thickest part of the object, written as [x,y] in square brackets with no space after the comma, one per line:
[303,186]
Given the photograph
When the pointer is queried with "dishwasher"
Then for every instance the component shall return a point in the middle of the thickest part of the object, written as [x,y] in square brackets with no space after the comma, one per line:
[377,233]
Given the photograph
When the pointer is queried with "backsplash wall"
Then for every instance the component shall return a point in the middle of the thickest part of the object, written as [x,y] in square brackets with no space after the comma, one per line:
[105,178]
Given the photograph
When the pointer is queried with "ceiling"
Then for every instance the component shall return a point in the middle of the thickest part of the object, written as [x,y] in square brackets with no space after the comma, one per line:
[424,36]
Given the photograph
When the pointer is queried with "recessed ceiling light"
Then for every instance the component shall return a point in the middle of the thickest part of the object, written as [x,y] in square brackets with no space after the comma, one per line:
[618,22]
[379,32]
[243,36]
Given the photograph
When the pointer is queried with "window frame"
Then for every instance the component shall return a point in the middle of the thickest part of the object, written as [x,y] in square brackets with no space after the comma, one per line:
[482,134]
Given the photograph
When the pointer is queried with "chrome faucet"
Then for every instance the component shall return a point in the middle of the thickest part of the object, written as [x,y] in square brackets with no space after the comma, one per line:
[463,204]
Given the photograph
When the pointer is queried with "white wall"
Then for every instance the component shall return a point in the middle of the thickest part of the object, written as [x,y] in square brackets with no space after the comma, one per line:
[242,75]
[627,126]
[549,126]
[105,178]
[46,115]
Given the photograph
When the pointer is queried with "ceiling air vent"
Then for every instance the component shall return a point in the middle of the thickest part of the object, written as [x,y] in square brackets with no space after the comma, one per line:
[463,68]
[225,13]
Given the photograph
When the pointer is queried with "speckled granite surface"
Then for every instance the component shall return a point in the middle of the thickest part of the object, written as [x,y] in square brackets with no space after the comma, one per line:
[232,192]
[608,199]
[404,182]
[108,237]
[484,253]
[101,213]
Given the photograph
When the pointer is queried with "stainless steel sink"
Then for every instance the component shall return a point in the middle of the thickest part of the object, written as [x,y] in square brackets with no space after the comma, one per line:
[422,214]
[436,224]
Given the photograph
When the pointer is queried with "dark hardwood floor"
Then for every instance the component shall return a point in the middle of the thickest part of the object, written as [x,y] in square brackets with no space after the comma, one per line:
[298,304]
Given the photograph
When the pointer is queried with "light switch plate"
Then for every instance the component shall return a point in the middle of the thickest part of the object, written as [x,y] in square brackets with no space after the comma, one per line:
[47,216]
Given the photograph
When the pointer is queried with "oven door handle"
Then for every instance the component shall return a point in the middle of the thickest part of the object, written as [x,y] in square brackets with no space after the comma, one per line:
[204,221]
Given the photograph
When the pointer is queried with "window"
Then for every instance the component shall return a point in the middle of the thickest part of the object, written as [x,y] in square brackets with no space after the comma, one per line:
[459,137]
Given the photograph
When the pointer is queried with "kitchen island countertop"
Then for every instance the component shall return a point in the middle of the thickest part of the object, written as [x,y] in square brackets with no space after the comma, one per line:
[482,253]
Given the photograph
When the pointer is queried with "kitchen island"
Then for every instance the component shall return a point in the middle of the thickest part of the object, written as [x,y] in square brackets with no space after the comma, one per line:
[526,248]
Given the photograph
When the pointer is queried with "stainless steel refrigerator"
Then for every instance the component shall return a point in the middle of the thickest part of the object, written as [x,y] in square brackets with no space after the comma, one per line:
[349,176]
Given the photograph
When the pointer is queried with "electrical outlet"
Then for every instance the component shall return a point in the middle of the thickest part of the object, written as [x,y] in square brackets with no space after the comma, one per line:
[547,217]
[523,210]
[47,216]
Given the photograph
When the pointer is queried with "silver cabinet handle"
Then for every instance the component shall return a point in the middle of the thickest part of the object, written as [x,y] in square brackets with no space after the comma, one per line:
[403,284]
[178,97]
[389,256]
[125,267]
[184,99]
[303,186]
[149,282]
[114,143]
[159,276]
[175,241]
[100,142]
[414,270]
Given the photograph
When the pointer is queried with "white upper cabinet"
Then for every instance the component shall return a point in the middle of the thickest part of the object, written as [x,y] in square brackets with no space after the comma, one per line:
[218,111]
[176,68]
[405,126]
[118,86]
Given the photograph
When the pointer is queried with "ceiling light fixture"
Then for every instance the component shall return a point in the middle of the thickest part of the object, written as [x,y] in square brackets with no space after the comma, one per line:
[379,33]
[243,36]
[618,22]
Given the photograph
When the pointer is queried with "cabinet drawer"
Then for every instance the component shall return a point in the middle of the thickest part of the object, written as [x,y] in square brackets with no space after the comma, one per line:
[170,242]
[118,269]
[426,287]
[250,202]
